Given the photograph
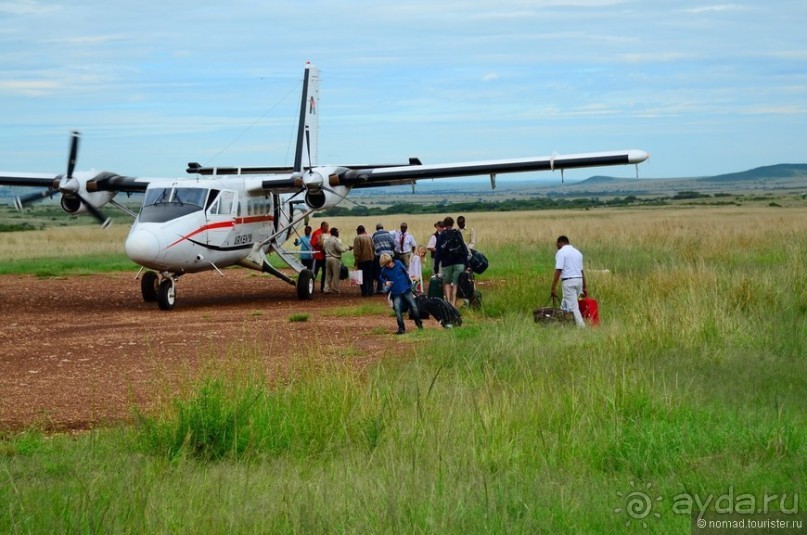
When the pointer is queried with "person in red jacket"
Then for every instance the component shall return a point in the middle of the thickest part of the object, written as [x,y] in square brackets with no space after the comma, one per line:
[319,256]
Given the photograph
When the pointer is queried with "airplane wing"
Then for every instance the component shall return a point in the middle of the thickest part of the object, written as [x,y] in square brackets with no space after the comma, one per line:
[117,183]
[35,180]
[388,176]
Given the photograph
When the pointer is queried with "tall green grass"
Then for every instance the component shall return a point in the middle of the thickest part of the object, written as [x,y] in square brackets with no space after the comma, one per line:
[693,386]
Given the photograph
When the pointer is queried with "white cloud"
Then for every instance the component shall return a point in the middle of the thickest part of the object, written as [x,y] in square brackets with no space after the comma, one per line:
[31,88]
[712,8]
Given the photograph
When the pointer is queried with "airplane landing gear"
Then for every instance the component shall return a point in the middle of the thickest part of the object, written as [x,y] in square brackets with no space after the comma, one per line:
[162,290]
[305,285]
[149,286]
[166,294]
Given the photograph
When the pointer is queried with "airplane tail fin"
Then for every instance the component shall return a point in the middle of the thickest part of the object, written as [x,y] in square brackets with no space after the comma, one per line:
[308,129]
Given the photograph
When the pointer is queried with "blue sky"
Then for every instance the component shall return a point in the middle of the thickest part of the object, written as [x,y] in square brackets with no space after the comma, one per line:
[705,88]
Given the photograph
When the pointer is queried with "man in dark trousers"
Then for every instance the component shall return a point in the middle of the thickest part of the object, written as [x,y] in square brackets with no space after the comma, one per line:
[396,278]
[384,243]
[319,256]
[363,255]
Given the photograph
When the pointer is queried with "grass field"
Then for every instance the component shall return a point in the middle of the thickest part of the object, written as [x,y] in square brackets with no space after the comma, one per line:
[689,397]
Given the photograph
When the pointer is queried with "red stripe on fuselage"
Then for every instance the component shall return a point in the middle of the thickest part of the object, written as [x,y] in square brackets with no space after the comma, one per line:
[254,219]
[225,224]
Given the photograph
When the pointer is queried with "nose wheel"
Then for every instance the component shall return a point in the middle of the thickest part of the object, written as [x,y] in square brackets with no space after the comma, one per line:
[166,294]
[161,290]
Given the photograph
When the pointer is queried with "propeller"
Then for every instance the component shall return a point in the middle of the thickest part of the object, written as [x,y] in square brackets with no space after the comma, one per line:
[67,185]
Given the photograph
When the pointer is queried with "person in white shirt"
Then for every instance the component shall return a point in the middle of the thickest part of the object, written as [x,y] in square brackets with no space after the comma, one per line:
[569,270]
[468,234]
[405,244]
[431,246]
[416,269]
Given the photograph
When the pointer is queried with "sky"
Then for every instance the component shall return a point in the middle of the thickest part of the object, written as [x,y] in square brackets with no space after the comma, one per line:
[704,87]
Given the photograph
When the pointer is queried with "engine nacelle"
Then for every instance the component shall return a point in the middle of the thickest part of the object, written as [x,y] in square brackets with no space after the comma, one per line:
[73,205]
[320,198]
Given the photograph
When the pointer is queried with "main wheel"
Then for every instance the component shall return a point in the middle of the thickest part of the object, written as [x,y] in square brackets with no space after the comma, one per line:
[166,295]
[149,286]
[305,285]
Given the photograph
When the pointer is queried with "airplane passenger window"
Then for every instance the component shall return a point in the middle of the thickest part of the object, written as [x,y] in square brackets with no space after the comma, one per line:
[214,208]
[214,194]
[227,202]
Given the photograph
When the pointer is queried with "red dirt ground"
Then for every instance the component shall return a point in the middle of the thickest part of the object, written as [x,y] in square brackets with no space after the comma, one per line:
[80,351]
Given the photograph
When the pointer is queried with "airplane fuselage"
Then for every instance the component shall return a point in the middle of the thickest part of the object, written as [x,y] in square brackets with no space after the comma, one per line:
[187,226]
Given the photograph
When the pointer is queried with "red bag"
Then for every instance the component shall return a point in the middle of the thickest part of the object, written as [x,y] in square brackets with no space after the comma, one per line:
[589,310]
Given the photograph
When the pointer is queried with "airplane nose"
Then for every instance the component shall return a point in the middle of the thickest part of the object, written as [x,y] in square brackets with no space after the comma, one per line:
[142,246]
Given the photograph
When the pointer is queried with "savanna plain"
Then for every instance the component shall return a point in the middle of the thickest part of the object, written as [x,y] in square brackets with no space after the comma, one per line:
[690,396]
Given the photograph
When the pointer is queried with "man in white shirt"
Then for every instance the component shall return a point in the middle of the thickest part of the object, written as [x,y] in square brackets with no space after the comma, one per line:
[432,245]
[468,234]
[569,270]
[405,244]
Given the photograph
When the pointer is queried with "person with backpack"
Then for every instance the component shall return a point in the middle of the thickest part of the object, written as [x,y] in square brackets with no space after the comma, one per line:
[395,277]
[451,258]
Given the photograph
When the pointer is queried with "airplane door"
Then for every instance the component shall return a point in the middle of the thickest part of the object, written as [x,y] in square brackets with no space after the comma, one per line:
[222,218]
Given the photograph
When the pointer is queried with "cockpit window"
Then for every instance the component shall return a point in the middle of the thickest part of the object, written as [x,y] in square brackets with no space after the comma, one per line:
[164,204]
[195,196]
[157,196]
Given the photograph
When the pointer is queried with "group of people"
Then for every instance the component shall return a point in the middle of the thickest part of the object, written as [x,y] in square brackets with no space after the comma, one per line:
[392,262]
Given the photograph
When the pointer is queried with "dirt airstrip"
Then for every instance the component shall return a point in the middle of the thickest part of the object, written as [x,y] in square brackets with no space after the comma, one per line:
[80,351]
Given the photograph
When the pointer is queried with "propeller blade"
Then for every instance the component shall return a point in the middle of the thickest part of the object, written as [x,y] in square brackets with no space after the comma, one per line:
[342,197]
[105,221]
[308,148]
[71,162]
[21,202]
[296,193]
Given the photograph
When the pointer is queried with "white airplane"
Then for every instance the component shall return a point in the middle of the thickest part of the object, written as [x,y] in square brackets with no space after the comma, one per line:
[236,216]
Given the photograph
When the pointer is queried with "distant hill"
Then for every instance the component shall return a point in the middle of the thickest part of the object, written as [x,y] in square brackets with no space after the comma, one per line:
[600,179]
[782,170]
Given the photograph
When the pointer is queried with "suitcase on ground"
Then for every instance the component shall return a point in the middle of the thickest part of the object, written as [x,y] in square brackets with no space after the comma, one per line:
[466,289]
[552,315]
[442,311]
[589,310]
[478,262]
[422,310]
[435,287]
[465,286]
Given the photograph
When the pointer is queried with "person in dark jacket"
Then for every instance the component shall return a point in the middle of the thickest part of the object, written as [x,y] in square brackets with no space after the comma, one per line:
[450,258]
[395,277]
[383,242]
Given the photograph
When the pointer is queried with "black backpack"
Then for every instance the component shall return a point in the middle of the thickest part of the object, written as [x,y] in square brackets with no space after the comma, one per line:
[478,262]
[452,244]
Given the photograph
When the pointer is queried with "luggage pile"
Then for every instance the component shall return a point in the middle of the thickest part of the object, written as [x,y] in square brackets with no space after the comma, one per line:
[439,309]
[552,315]
[549,315]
